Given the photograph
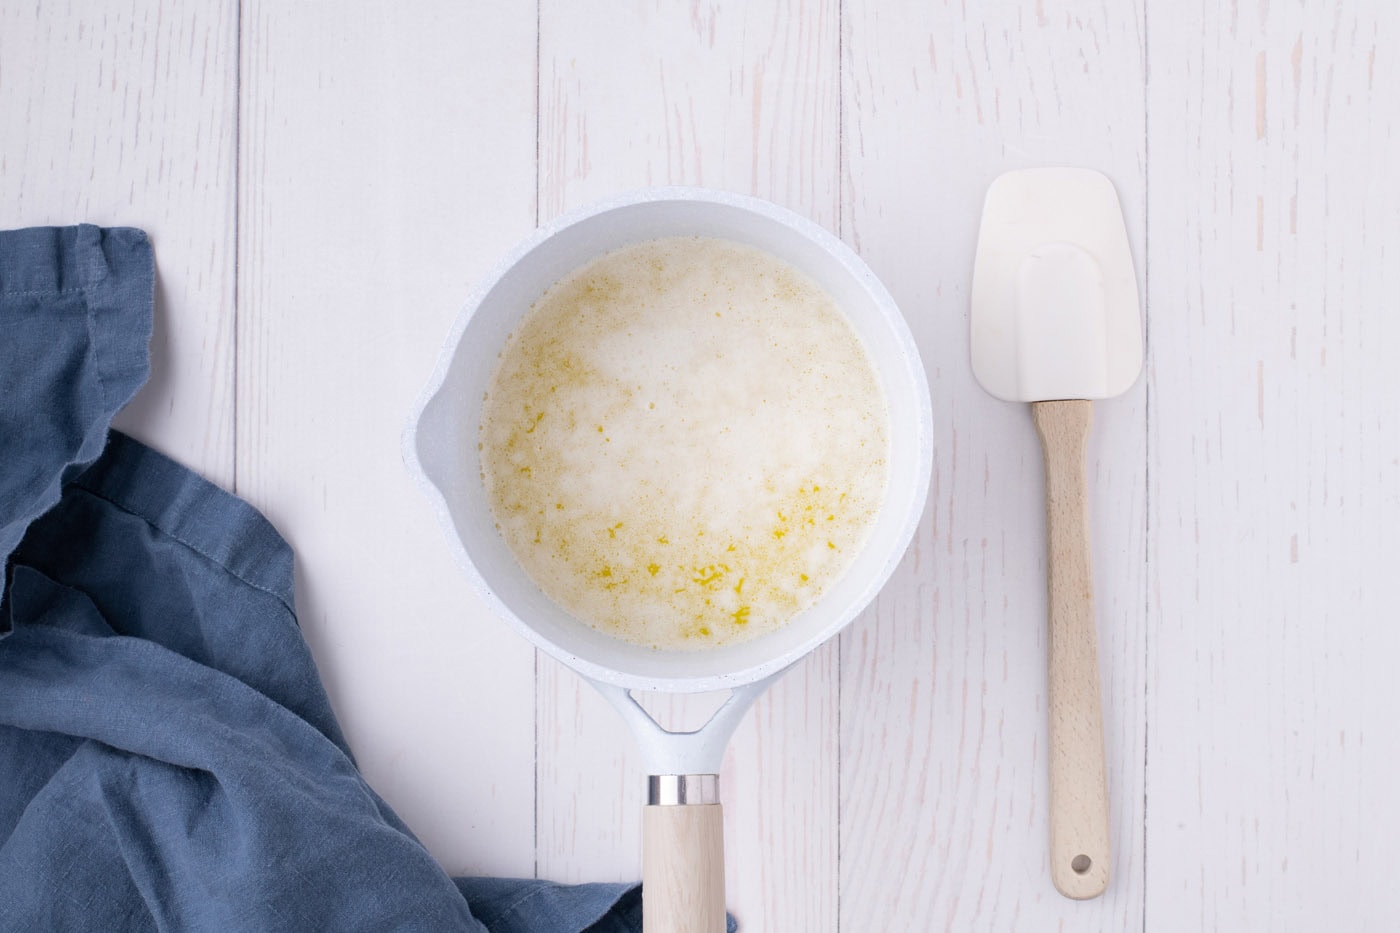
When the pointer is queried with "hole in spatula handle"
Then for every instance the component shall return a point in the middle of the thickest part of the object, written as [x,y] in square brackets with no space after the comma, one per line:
[1081,864]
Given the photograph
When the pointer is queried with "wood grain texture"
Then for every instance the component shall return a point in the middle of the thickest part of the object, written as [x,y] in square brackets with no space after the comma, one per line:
[943,683]
[387,158]
[1079,847]
[683,869]
[130,118]
[742,97]
[1275,483]
[374,162]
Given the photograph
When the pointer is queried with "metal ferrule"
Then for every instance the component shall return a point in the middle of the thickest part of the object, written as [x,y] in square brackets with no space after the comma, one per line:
[679,790]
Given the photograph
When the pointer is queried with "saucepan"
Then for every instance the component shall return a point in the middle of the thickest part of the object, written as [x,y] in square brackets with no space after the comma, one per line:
[683,853]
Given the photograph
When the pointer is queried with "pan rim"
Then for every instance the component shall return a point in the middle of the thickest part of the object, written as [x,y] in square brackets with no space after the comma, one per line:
[840,615]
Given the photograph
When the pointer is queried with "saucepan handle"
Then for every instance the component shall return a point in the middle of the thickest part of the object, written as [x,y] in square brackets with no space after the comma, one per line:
[683,822]
[683,855]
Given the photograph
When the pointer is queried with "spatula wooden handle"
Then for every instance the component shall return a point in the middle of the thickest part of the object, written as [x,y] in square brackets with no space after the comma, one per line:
[1078,793]
[683,869]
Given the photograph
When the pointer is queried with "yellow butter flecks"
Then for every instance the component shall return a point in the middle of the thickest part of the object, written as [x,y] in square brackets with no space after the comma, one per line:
[710,475]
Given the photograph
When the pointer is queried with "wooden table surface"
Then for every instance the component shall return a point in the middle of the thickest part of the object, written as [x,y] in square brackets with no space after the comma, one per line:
[324,182]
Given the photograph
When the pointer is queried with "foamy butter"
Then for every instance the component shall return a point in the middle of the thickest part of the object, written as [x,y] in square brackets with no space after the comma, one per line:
[685,442]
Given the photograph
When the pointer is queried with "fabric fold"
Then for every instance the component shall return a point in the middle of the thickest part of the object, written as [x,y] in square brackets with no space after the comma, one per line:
[168,757]
[76,313]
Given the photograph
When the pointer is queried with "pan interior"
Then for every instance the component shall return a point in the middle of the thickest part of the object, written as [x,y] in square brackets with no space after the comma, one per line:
[444,443]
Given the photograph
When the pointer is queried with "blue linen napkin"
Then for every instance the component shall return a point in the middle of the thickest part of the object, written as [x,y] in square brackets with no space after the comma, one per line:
[168,757]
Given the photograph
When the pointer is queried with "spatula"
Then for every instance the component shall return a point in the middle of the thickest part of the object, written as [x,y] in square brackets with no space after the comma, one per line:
[1055,322]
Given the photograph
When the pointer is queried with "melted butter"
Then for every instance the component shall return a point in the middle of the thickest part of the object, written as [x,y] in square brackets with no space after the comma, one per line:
[684,443]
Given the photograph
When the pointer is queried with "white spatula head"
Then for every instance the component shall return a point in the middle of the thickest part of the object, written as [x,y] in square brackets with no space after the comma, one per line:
[1054,297]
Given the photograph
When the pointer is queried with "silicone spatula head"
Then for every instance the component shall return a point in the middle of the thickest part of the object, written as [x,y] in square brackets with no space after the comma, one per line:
[1054,297]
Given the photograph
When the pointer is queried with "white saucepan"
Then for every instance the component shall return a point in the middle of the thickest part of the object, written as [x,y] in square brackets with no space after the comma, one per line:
[683,861]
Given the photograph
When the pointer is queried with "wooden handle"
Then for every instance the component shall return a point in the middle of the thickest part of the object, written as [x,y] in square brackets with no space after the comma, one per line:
[683,869]
[1078,788]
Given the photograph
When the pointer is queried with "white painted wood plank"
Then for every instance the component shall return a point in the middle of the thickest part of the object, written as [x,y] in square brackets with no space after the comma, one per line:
[126,114]
[387,159]
[736,96]
[943,714]
[1275,480]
